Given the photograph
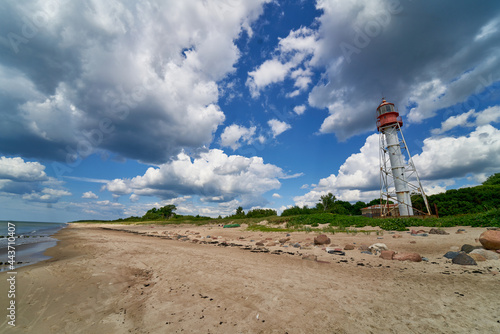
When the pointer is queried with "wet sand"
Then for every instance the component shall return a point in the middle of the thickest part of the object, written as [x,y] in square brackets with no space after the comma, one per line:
[110,281]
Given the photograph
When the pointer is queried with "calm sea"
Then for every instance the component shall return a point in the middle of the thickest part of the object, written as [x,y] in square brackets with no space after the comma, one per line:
[32,239]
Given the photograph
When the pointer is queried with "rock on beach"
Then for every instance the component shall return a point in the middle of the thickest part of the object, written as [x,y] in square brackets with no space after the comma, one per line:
[488,254]
[490,239]
[413,257]
[387,255]
[322,240]
[464,260]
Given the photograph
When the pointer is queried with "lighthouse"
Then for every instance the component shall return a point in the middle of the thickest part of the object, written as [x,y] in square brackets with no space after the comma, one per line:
[399,177]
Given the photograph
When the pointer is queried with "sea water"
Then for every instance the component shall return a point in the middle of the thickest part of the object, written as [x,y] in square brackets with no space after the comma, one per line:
[32,239]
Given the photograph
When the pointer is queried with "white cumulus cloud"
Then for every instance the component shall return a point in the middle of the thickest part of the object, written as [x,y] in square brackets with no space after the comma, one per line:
[278,127]
[234,136]
[90,195]
[213,176]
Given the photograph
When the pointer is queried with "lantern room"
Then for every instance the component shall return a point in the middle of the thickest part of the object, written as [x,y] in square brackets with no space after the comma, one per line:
[387,115]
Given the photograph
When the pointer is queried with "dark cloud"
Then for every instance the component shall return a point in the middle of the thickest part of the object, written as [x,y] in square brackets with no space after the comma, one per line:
[90,75]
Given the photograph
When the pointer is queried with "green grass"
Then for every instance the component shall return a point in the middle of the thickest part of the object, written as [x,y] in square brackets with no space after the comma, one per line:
[336,223]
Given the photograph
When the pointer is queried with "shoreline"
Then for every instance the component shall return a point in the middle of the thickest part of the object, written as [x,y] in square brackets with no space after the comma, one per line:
[103,280]
[31,251]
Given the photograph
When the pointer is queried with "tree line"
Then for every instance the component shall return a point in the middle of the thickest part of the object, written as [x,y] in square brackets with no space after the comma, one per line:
[477,199]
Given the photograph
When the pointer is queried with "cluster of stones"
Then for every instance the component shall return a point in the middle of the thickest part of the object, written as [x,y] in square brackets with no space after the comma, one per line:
[470,255]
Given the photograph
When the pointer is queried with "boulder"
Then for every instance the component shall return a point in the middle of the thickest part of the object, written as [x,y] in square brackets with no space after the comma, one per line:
[387,255]
[451,255]
[322,240]
[259,243]
[464,260]
[490,239]
[397,236]
[414,257]
[282,241]
[349,247]
[488,254]
[271,244]
[477,257]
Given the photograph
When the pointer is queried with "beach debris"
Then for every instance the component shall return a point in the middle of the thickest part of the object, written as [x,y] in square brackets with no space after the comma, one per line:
[461,231]
[464,260]
[397,236]
[419,233]
[413,257]
[437,231]
[270,244]
[451,255]
[259,243]
[376,248]
[490,239]
[296,245]
[231,225]
[349,247]
[387,254]
[336,251]
[366,252]
[322,239]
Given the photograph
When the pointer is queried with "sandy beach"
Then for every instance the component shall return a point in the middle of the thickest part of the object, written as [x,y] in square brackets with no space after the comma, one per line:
[173,279]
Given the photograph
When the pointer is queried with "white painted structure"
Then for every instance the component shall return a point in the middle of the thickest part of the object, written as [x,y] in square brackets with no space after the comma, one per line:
[396,176]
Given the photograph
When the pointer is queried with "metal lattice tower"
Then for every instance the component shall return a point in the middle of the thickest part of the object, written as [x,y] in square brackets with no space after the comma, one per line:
[398,175]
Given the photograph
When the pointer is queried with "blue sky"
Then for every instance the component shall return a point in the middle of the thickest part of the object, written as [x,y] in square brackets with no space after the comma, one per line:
[111,108]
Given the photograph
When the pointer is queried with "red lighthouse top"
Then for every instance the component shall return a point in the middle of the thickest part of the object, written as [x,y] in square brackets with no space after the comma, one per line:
[387,115]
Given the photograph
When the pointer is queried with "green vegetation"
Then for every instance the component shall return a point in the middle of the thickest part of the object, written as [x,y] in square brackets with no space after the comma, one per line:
[476,207]
[259,213]
[465,200]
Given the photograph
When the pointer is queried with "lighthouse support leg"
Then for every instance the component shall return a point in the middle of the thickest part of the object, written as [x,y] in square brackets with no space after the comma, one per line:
[398,171]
